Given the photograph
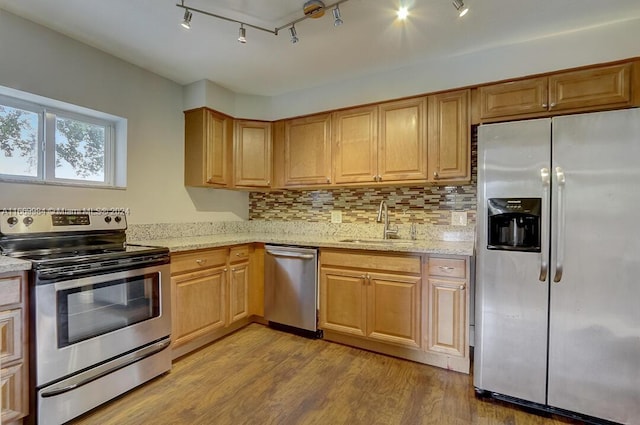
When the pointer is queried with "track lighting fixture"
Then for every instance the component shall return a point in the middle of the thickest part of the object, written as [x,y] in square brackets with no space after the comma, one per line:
[186,21]
[294,34]
[337,20]
[460,7]
[311,9]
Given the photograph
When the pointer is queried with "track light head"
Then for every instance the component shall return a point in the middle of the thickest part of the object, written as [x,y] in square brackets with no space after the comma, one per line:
[337,20]
[460,7]
[294,34]
[186,21]
[242,34]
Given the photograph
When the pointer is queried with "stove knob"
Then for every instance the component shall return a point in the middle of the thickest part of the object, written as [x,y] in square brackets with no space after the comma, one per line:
[118,219]
[107,219]
[27,221]
[12,221]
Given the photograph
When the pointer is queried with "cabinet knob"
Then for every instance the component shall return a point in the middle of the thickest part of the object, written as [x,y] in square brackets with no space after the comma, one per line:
[553,104]
[375,178]
[268,182]
[379,178]
[461,287]
[436,175]
[544,105]
[225,269]
[328,180]
[233,269]
[239,254]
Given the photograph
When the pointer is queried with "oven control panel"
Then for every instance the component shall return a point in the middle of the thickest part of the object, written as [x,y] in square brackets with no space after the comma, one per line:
[29,220]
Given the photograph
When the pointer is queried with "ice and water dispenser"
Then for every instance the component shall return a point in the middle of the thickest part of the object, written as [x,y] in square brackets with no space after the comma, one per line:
[514,224]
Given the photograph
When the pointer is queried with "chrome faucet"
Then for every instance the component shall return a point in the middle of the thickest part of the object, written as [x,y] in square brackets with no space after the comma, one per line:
[387,231]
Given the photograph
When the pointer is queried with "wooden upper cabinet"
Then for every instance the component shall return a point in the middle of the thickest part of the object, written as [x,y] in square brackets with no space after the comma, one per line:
[514,98]
[252,154]
[207,148]
[354,145]
[608,86]
[449,144]
[402,145]
[307,151]
[591,89]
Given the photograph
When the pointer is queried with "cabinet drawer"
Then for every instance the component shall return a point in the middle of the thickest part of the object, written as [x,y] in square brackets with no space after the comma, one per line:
[10,335]
[10,290]
[197,260]
[14,398]
[239,253]
[371,261]
[448,267]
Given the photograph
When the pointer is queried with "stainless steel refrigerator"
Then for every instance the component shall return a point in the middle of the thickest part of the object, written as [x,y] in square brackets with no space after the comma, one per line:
[558,264]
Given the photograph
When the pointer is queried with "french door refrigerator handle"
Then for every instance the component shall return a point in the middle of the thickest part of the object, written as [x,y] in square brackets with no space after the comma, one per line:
[544,248]
[560,224]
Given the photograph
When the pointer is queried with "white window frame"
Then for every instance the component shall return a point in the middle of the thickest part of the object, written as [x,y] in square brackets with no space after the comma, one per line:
[115,160]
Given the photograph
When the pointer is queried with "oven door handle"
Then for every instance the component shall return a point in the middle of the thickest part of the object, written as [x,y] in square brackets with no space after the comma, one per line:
[105,369]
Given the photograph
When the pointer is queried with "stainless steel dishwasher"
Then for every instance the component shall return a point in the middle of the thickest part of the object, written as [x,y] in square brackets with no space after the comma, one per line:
[291,289]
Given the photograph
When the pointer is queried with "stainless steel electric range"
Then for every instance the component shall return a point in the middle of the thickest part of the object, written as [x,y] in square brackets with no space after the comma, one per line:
[100,310]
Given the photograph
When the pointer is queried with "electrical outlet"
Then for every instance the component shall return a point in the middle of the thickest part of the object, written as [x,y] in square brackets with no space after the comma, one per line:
[336,216]
[458,218]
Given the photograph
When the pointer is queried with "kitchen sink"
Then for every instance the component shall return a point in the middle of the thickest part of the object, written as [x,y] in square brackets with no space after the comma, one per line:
[377,241]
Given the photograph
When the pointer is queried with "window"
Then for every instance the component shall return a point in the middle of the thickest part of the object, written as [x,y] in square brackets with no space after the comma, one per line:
[40,143]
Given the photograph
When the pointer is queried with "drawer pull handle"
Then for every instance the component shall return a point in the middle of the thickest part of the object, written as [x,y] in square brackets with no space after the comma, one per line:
[200,261]
[446,268]
[239,254]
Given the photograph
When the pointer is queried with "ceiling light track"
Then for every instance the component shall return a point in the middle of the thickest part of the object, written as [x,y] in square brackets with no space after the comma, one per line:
[316,11]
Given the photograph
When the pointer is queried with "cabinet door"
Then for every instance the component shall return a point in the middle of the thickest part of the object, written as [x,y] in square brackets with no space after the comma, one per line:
[394,309]
[402,148]
[449,143]
[238,292]
[354,145]
[343,301]
[514,98]
[591,88]
[307,151]
[13,387]
[447,319]
[10,335]
[207,148]
[252,154]
[198,304]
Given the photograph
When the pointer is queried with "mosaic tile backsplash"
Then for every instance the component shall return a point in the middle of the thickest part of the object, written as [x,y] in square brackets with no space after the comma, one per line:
[418,204]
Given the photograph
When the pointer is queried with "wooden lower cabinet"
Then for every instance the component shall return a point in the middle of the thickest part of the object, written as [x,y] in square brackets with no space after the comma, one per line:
[360,297]
[406,305]
[210,295]
[14,350]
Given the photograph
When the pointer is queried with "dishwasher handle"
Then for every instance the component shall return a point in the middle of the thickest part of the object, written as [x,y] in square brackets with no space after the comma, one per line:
[290,255]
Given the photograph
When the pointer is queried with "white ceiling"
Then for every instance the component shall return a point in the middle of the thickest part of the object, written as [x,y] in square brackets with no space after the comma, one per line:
[148,33]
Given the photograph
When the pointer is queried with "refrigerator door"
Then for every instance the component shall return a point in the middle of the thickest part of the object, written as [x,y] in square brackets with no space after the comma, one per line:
[510,355]
[594,341]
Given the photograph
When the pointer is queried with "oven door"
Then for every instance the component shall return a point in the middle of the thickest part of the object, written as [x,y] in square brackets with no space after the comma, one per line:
[87,321]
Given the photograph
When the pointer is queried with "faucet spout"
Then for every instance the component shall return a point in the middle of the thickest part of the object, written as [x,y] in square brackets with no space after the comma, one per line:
[384,209]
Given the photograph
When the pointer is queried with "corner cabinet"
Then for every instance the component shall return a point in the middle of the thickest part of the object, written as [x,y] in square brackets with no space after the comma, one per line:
[583,90]
[449,153]
[14,352]
[210,295]
[252,154]
[208,136]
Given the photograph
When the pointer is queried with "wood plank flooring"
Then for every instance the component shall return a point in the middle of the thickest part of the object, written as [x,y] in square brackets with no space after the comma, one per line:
[262,376]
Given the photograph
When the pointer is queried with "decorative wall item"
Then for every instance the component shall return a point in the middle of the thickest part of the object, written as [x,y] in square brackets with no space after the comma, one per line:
[419,204]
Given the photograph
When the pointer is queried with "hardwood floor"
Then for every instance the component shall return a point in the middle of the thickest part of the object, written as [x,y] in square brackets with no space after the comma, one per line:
[262,376]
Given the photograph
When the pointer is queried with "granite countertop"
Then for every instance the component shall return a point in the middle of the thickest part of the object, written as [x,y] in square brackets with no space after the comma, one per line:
[8,264]
[465,248]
